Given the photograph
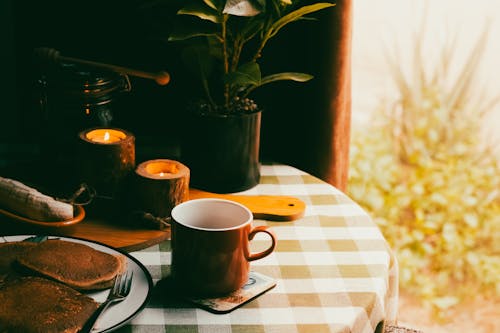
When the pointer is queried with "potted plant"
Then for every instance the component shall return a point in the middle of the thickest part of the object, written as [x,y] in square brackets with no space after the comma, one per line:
[222,43]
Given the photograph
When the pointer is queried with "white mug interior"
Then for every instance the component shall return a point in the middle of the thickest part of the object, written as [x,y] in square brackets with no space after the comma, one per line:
[211,214]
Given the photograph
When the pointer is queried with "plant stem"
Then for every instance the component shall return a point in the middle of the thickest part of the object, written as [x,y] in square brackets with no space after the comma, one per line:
[238,46]
[226,57]
[258,53]
[263,42]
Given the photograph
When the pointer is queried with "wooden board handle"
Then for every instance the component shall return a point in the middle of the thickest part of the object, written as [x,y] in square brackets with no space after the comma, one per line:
[266,207]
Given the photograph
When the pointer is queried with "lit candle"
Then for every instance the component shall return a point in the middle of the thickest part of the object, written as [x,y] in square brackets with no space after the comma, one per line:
[107,158]
[160,185]
[161,168]
[105,135]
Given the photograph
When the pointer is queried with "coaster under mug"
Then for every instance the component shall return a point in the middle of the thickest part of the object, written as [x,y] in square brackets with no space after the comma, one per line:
[257,285]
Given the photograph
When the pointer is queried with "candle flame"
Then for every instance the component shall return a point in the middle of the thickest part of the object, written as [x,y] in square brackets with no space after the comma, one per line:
[162,174]
[106,136]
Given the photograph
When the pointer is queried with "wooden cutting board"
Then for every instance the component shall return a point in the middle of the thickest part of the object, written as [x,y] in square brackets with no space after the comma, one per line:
[128,238]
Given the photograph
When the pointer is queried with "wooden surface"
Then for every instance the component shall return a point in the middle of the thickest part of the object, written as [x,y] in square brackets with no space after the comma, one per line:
[121,235]
[266,207]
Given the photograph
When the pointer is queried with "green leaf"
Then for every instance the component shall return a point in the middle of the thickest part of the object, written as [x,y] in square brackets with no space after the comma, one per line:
[199,64]
[196,60]
[246,75]
[201,11]
[241,8]
[190,29]
[261,4]
[251,28]
[216,4]
[186,35]
[215,47]
[299,77]
[293,76]
[297,14]
[210,4]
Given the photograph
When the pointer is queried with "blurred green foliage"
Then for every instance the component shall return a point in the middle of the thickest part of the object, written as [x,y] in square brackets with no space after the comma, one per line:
[425,175]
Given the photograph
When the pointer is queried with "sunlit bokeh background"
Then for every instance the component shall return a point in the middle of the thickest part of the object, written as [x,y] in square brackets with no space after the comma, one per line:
[424,160]
[392,24]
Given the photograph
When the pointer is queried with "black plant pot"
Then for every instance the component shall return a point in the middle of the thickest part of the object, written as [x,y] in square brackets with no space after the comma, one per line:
[222,151]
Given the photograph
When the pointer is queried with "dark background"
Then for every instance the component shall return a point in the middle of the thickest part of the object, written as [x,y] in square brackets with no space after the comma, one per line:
[114,32]
[124,34]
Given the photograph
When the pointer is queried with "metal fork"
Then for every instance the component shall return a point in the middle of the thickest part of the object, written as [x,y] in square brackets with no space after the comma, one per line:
[119,291]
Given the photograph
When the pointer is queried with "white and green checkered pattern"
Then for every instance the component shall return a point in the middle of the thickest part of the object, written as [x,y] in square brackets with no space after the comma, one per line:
[334,270]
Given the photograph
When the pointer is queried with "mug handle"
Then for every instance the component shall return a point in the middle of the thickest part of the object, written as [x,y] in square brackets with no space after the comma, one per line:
[251,235]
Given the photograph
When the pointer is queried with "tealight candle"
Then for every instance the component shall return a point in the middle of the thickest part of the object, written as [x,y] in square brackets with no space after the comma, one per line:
[105,135]
[160,185]
[162,168]
[107,157]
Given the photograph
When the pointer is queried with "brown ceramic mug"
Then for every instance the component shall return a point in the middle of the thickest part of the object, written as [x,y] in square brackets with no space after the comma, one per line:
[210,246]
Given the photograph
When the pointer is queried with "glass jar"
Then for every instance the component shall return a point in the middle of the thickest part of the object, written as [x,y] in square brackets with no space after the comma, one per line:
[73,98]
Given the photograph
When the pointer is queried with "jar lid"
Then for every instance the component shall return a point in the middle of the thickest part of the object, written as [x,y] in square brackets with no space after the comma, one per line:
[81,82]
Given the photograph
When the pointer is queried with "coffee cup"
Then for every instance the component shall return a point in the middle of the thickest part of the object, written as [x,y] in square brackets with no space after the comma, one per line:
[211,246]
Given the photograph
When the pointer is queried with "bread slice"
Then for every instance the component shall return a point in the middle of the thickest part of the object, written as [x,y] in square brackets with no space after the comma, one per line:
[34,304]
[9,252]
[74,264]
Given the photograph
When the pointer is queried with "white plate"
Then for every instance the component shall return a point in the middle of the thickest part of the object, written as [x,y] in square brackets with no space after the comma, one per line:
[119,314]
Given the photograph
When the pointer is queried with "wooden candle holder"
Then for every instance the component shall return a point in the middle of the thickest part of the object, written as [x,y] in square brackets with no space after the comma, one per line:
[160,185]
[106,164]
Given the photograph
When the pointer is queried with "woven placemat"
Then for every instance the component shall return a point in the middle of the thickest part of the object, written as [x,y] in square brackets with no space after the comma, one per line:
[257,285]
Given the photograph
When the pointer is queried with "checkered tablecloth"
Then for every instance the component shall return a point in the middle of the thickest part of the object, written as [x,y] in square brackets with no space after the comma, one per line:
[334,270]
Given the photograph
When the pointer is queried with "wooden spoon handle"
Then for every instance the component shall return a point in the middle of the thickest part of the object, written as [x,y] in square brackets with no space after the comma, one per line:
[266,207]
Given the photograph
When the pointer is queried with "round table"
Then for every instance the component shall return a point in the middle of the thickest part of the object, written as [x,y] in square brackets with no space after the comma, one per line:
[333,269]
